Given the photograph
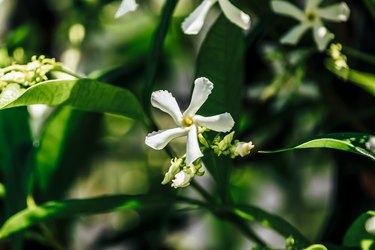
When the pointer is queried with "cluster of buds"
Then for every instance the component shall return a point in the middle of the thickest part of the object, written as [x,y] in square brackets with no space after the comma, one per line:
[228,146]
[28,75]
[180,174]
[339,59]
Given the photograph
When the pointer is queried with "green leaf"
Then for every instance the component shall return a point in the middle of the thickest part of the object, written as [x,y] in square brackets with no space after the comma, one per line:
[274,222]
[66,144]
[221,60]
[83,94]
[357,236]
[362,79]
[350,142]
[15,160]
[69,208]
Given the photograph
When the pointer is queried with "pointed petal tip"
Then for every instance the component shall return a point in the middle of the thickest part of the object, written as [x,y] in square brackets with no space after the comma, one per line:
[125,7]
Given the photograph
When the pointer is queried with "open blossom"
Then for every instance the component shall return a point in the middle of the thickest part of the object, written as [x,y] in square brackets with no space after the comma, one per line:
[311,17]
[187,122]
[125,7]
[194,22]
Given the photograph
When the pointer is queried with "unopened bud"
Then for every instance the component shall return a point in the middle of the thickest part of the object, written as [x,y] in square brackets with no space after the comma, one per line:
[181,179]
[242,148]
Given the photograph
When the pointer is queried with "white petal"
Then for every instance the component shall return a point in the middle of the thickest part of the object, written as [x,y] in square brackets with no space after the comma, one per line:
[288,9]
[194,22]
[125,7]
[220,123]
[312,5]
[202,89]
[322,36]
[193,151]
[294,35]
[235,15]
[337,12]
[158,140]
[164,101]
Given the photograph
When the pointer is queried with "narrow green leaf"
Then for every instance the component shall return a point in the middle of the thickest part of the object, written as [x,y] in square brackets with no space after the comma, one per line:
[357,236]
[65,147]
[269,220]
[221,60]
[83,94]
[70,208]
[350,142]
[362,79]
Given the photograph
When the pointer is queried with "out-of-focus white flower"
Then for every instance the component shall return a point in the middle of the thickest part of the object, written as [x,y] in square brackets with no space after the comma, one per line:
[181,179]
[194,22]
[311,17]
[125,7]
[187,122]
[242,148]
[370,225]
[370,144]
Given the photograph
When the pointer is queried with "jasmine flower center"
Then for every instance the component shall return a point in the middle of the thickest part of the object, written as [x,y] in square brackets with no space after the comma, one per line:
[187,122]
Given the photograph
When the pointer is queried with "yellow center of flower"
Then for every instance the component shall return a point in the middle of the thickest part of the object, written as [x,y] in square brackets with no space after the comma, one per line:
[187,122]
[310,16]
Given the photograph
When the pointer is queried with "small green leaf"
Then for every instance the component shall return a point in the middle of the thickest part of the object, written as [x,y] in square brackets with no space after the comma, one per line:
[69,208]
[362,79]
[83,94]
[274,222]
[350,142]
[357,236]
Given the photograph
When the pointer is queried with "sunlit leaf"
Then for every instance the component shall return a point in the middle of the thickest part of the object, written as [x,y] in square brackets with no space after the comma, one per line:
[83,94]
[350,142]
[362,79]
[70,208]
[269,220]
[357,236]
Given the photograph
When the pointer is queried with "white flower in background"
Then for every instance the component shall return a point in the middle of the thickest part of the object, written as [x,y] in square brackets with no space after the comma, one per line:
[194,22]
[370,144]
[188,121]
[125,7]
[311,17]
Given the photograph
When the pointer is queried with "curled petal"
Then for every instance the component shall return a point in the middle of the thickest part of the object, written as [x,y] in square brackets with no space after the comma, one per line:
[125,7]
[235,15]
[337,12]
[220,123]
[164,101]
[202,89]
[312,5]
[158,140]
[287,9]
[321,35]
[193,151]
[294,35]
[194,22]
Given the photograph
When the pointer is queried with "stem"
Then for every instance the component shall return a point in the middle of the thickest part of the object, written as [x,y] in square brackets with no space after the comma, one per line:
[360,55]
[156,49]
[67,71]
[202,192]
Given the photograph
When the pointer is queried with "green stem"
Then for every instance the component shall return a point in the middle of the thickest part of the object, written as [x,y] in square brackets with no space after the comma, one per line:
[360,55]
[156,49]
[202,192]
[371,7]
[67,71]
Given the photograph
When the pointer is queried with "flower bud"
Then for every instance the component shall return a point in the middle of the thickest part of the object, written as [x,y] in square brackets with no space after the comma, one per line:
[175,167]
[242,148]
[181,179]
[370,144]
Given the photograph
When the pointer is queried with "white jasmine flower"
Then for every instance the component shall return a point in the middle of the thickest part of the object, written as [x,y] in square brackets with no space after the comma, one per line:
[311,17]
[370,144]
[14,76]
[125,7]
[181,179]
[188,121]
[243,148]
[194,22]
